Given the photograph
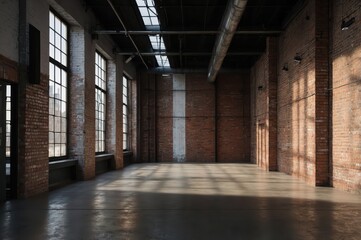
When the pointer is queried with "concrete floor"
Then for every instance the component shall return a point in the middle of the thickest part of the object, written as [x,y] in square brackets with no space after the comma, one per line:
[185,201]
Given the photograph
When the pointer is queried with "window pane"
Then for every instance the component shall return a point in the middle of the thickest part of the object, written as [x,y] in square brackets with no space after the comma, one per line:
[100,100]
[58,81]
[125,113]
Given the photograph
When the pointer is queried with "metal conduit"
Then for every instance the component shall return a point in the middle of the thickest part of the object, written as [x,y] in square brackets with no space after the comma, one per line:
[125,29]
[228,27]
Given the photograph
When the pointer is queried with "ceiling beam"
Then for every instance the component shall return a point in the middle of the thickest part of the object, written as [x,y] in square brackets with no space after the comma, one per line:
[200,32]
[149,54]
[123,25]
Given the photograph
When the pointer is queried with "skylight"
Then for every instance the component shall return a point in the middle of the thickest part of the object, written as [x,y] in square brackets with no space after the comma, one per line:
[150,18]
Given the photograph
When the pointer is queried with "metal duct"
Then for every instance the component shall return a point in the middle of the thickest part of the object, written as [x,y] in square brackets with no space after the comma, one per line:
[228,27]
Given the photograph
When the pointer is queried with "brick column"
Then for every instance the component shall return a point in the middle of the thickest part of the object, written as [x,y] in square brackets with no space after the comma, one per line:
[82,103]
[114,133]
[322,78]
[33,120]
[272,48]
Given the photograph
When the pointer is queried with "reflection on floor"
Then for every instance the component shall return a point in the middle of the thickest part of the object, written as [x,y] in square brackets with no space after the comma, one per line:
[185,201]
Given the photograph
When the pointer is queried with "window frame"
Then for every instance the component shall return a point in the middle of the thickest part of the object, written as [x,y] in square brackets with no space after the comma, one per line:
[126,130]
[66,69]
[8,121]
[103,91]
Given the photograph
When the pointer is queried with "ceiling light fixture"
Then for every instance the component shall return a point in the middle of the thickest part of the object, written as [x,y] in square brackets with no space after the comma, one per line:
[346,24]
[297,58]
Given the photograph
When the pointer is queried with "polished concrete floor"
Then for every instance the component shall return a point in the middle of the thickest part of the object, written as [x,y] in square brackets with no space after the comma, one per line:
[185,201]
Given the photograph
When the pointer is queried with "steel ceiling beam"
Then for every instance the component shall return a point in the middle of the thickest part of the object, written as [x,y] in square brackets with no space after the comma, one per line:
[201,32]
[125,29]
[149,54]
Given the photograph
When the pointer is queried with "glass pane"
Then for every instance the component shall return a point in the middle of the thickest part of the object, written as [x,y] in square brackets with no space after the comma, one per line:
[155,22]
[64,30]
[51,123]
[51,36]
[51,150]
[63,150]
[147,21]
[141,3]
[57,41]
[57,55]
[51,71]
[51,137]
[57,137]
[57,123]
[63,125]
[51,20]
[152,12]
[63,94]
[63,59]
[57,25]
[63,109]
[63,138]
[57,150]
[51,51]
[143,11]
[51,106]
[57,107]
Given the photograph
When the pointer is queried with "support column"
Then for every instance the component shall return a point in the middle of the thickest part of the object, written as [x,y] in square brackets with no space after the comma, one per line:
[114,133]
[82,103]
[272,45]
[322,80]
[179,123]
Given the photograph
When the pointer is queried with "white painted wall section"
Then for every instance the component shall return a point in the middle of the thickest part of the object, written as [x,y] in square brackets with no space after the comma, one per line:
[179,122]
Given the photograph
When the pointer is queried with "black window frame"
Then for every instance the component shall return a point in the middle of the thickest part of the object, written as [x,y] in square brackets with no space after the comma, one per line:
[104,92]
[126,116]
[66,69]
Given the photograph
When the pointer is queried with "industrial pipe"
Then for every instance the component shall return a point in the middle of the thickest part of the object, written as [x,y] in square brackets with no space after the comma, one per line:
[231,18]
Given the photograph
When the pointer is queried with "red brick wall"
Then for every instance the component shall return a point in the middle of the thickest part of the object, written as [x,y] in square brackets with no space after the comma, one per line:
[164,119]
[200,121]
[346,95]
[322,92]
[147,117]
[260,134]
[296,97]
[33,138]
[233,118]
[264,108]
[231,100]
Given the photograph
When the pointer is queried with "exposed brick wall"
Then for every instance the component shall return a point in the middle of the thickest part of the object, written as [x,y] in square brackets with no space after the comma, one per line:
[272,48]
[264,108]
[33,138]
[296,153]
[298,120]
[82,100]
[322,93]
[164,119]
[260,134]
[147,117]
[233,118]
[114,117]
[200,119]
[346,95]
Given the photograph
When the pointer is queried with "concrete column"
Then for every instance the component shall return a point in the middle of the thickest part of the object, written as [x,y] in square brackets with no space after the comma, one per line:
[179,124]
